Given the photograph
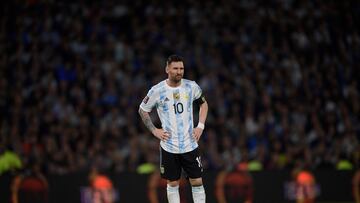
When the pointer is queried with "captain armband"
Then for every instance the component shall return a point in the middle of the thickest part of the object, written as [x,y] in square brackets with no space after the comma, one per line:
[200,100]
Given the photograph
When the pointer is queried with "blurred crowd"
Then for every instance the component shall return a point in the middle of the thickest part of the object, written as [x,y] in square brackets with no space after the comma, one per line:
[281,78]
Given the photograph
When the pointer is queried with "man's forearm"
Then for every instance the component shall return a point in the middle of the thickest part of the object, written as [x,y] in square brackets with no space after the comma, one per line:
[203,112]
[145,117]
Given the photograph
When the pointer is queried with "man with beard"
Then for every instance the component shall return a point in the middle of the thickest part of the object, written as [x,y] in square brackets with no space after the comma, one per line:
[173,99]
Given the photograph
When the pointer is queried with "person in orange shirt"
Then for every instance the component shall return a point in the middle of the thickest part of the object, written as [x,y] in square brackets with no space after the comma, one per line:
[102,187]
[30,186]
[305,186]
[235,186]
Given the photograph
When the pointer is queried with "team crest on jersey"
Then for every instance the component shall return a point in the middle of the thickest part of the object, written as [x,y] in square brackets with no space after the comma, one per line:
[176,95]
[162,169]
[186,96]
[146,99]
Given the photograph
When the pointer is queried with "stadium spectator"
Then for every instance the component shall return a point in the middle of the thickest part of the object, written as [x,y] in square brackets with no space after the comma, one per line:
[30,185]
[282,77]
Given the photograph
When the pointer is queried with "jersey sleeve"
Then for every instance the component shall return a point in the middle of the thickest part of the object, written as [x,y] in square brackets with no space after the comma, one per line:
[149,101]
[197,92]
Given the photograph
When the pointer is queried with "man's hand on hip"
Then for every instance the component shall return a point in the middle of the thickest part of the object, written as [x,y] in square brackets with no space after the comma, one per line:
[161,134]
[197,133]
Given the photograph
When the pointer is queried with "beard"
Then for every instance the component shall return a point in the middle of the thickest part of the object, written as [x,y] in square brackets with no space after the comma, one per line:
[176,78]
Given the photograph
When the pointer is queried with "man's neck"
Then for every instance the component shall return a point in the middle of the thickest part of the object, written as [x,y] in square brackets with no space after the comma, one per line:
[172,83]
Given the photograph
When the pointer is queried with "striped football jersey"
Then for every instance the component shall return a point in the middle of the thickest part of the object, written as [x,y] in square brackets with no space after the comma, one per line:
[174,106]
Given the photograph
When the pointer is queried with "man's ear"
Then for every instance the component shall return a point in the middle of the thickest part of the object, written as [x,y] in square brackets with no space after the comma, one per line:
[166,69]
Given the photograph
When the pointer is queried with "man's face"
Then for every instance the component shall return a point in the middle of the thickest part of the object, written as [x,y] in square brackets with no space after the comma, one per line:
[175,71]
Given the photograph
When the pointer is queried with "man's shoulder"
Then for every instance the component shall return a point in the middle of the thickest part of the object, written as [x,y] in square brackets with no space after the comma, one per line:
[188,82]
[158,86]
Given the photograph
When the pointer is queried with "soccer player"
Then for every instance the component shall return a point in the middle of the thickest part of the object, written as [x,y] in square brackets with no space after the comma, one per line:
[173,99]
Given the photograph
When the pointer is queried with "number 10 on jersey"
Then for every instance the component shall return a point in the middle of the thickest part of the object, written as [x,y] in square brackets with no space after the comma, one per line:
[178,108]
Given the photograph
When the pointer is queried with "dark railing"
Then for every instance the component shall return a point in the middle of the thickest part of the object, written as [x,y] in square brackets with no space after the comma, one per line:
[263,186]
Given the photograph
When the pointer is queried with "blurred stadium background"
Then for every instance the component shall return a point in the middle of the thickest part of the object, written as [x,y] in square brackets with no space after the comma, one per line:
[281,78]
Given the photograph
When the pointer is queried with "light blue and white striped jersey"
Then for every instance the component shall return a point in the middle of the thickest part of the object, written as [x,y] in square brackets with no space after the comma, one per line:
[174,106]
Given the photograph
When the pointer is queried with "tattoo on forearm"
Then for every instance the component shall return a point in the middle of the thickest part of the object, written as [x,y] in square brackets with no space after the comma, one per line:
[147,120]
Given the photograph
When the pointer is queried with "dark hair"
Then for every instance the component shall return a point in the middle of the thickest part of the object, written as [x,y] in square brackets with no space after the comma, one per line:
[174,58]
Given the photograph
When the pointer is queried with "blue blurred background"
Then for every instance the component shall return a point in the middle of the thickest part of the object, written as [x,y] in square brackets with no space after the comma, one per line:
[281,78]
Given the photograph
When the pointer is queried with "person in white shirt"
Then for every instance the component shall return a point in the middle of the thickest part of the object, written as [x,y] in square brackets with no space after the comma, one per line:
[173,99]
